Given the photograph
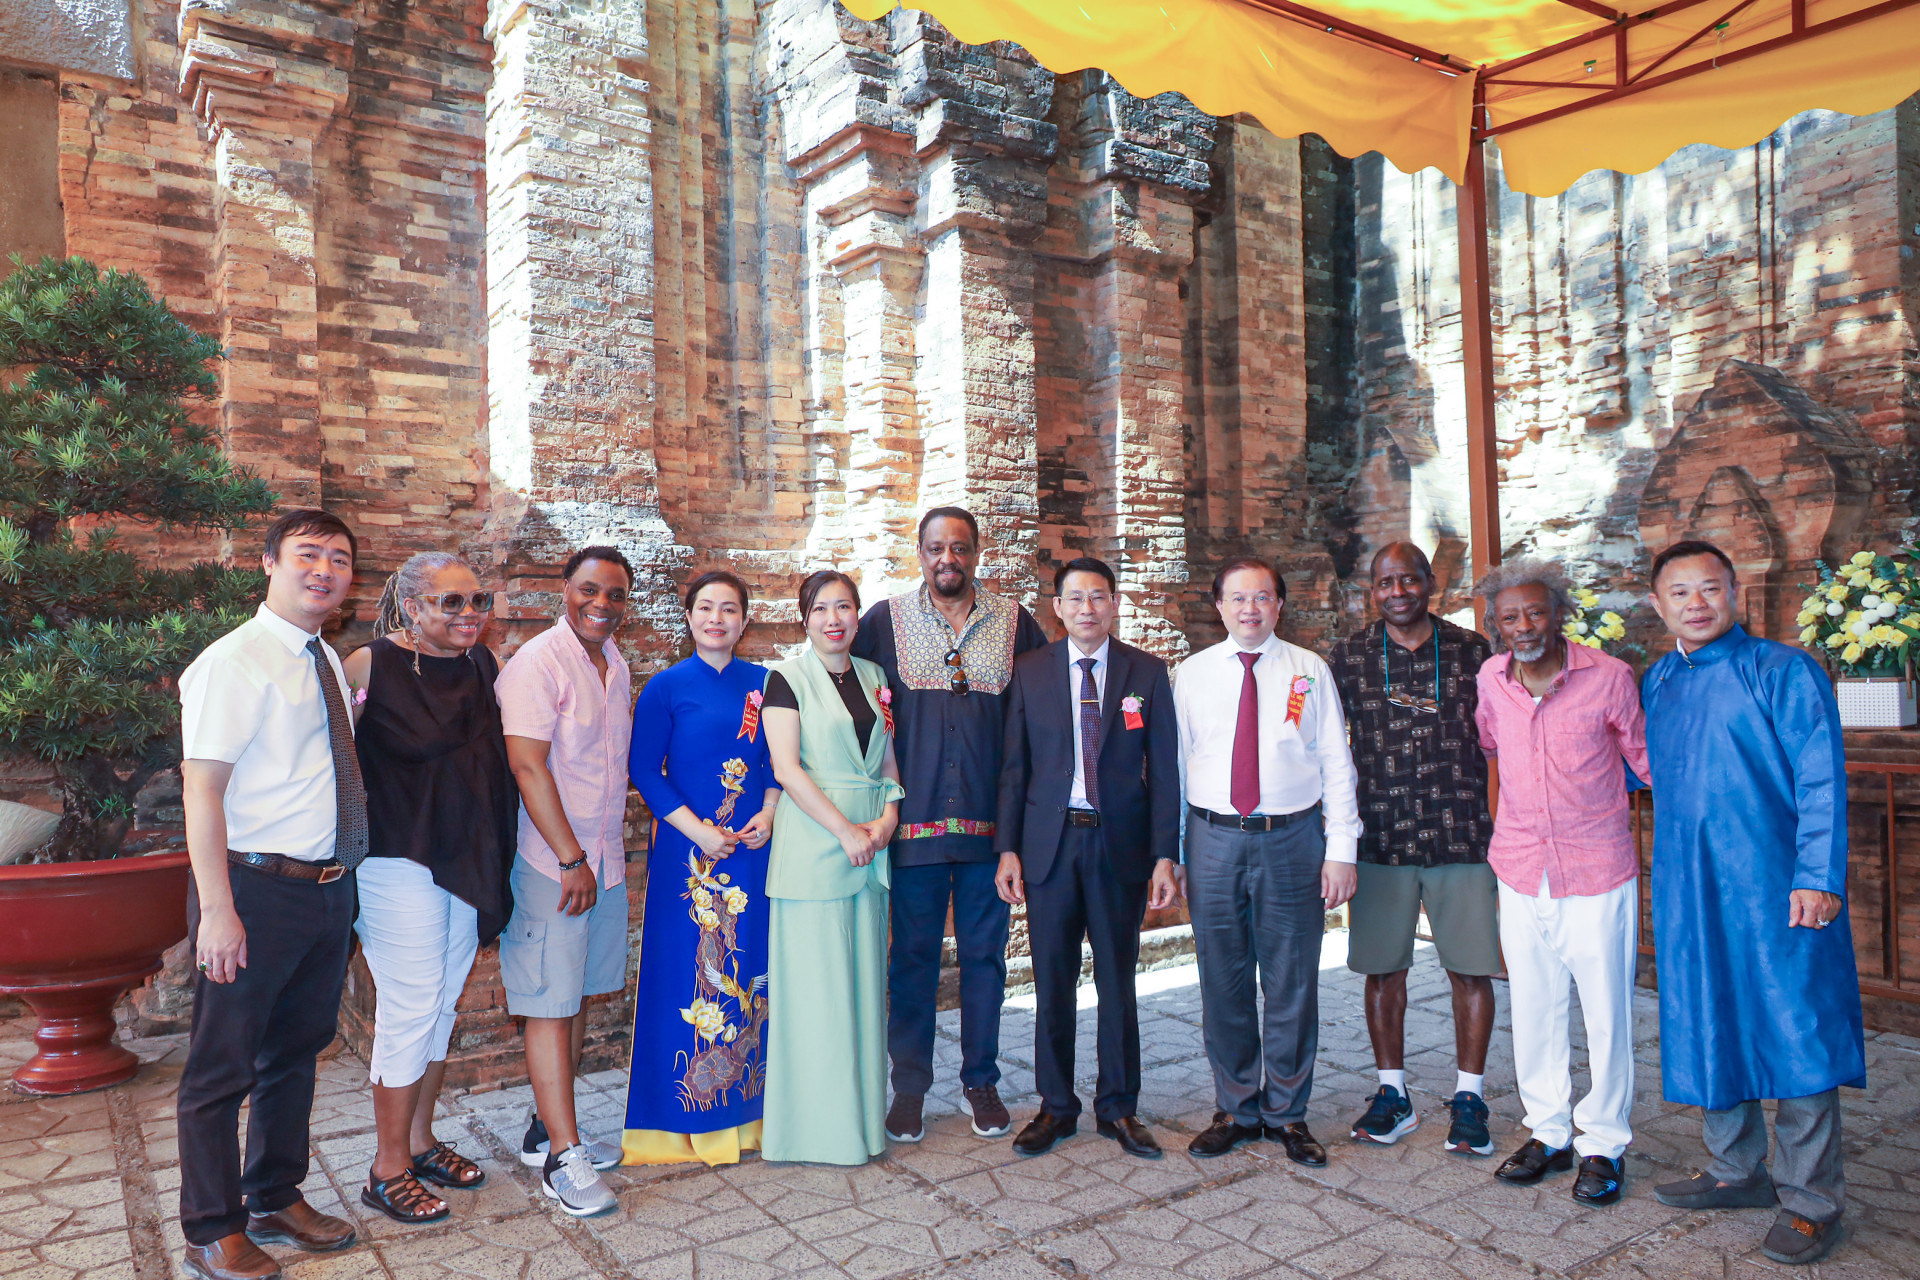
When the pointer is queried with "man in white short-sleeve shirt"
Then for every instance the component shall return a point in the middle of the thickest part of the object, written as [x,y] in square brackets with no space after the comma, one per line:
[276,822]
[1273,829]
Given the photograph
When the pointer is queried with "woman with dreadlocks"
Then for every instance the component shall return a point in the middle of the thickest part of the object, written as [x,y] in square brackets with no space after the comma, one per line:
[441,815]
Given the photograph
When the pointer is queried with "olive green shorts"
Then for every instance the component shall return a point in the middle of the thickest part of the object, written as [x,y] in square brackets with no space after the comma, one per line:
[1463,908]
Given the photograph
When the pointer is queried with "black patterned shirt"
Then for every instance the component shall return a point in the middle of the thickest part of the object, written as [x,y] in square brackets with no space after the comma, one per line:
[1423,777]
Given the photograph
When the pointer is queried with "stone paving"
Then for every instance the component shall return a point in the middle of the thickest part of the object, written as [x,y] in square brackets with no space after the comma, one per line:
[88,1184]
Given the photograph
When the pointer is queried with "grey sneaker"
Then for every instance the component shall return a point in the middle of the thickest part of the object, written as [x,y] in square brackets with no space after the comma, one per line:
[535,1145]
[571,1179]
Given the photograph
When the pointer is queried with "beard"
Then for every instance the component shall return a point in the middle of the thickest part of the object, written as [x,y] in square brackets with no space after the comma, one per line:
[954,592]
[1531,654]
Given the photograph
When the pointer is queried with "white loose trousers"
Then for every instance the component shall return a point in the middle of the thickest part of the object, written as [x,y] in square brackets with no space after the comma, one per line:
[420,942]
[1594,942]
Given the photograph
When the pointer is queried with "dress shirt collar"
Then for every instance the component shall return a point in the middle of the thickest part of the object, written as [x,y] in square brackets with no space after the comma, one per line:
[1578,656]
[1099,655]
[285,632]
[1716,650]
[571,639]
[1271,644]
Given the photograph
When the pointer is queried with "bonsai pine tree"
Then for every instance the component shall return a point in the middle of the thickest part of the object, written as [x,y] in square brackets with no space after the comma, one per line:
[98,430]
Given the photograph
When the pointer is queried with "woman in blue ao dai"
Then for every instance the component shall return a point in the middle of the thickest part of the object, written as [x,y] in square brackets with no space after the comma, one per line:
[699,758]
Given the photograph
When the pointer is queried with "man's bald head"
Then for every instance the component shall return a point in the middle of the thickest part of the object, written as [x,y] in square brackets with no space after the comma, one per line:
[1401,580]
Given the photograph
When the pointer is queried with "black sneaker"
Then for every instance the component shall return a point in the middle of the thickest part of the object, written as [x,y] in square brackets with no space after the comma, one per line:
[533,1147]
[990,1118]
[1468,1133]
[903,1118]
[1389,1119]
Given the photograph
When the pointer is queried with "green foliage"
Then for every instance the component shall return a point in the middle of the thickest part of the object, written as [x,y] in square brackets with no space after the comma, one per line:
[91,642]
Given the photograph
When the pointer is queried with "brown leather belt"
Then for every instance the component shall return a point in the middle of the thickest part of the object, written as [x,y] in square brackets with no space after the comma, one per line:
[1082,818]
[1252,821]
[279,864]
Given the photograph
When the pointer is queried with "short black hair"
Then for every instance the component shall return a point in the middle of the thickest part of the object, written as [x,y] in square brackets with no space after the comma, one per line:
[610,554]
[947,513]
[309,520]
[1084,564]
[712,576]
[1684,549]
[1236,564]
[816,582]
[1419,558]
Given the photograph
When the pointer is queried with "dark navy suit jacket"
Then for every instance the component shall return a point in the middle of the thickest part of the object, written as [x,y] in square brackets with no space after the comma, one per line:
[1139,780]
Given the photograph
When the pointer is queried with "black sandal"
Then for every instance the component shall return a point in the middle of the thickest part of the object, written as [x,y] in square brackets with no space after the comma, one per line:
[447,1167]
[403,1199]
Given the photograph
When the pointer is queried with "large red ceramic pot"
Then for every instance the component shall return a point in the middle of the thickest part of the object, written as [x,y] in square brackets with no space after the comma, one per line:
[73,937]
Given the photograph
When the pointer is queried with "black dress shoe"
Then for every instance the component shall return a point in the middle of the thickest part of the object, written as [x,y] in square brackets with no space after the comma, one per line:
[1222,1136]
[1042,1132]
[1796,1241]
[1134,1138]
[1703,1191]
[1600,1180]
[1302,1147]
[1533,1161]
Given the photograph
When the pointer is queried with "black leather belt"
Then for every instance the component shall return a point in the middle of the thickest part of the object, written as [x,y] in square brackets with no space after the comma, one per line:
[293,868]
[1082,818]
[1252,821]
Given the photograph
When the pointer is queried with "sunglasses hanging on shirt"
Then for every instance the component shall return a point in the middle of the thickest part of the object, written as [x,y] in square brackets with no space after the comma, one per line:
[1403,697]
[956,675]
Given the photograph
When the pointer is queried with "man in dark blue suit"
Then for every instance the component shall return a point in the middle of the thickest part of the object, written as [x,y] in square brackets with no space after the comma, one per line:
[1089,829]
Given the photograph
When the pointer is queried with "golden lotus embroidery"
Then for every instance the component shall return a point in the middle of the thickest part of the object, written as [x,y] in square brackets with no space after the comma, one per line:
[728,1014]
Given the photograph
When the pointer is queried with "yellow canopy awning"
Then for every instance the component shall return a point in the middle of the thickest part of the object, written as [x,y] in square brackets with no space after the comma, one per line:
[1568,86]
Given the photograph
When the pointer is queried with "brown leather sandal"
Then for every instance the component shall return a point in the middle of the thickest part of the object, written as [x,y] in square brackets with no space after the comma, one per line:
[403,1199]
[447,1167]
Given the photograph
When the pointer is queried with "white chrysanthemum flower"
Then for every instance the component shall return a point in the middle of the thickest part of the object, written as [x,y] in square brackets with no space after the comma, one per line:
[1835,609]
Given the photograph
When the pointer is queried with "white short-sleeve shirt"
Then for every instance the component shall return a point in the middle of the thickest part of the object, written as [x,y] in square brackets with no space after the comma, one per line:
[252,699]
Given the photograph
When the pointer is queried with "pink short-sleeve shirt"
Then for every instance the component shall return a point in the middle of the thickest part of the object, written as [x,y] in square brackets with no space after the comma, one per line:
[550,691]
[1563,790]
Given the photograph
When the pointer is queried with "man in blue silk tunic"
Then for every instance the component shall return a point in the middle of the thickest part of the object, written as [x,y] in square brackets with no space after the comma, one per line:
[1759,997]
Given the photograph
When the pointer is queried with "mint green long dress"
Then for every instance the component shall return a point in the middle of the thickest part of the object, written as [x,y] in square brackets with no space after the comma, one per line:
[826,1093]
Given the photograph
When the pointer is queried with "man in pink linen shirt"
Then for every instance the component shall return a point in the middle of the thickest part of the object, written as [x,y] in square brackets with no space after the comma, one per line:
[1559,718]
[566,707]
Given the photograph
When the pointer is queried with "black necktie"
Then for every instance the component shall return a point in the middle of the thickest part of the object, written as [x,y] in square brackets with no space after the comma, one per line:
[1090,731]
[349,792]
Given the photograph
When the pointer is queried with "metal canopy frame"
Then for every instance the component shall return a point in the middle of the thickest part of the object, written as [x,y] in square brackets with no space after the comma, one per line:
[1613,27]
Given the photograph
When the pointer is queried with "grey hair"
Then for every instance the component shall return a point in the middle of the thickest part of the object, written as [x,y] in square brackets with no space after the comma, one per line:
[409,582]
[1524,573]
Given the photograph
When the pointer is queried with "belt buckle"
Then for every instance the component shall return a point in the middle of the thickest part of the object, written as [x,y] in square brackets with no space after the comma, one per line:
[1245,818]
[329,874]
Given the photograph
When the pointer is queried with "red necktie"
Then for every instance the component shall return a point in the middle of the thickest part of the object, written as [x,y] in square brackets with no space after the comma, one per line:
[1246,742]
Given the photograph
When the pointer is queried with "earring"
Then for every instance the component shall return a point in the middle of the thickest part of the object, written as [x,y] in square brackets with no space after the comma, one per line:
[413,634]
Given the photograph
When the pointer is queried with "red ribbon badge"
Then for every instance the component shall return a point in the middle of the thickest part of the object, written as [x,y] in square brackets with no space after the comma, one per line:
[884,695]
[750,716]
[1130,707]
[1297,698]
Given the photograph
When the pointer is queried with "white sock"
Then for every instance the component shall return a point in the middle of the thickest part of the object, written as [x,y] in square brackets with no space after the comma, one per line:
[1467,1082]
[1398,1079]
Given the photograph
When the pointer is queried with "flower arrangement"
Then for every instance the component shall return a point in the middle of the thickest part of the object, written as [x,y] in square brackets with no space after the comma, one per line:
[1861,614]
[1583,628]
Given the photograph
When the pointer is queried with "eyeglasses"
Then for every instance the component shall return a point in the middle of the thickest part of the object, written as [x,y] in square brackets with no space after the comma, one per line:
[454,603]
[956,675]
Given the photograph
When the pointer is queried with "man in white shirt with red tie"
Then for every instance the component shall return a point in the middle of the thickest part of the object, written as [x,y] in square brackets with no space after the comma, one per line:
[1272,833]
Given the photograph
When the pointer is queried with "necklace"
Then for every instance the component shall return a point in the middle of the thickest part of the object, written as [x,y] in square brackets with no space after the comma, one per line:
[1402,698]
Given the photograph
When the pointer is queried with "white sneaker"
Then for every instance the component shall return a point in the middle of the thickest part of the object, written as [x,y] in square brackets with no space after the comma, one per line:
[535,1145]
[571,1179]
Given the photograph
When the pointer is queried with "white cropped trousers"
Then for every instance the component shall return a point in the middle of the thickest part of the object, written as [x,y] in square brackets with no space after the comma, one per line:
[1550,944]
[420,942]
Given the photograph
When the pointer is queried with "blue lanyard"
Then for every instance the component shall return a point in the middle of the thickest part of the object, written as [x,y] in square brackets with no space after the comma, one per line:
[1386,666]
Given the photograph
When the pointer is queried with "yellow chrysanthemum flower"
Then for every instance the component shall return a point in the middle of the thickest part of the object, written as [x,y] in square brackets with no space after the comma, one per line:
[1892,597]
[1611,618]
[1805,618]
[1837,639]
[1851,653]
[1838,591]
[1861,557]
[1806,637]
[1878,584]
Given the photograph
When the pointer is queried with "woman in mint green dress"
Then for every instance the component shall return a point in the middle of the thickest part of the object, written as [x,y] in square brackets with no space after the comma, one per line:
[830,731]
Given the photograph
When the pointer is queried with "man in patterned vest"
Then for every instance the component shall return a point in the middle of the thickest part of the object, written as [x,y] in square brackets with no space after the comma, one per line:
[948,648]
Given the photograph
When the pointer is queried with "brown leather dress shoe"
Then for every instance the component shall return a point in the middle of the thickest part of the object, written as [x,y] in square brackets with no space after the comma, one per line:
[231,1257]
[302,1226]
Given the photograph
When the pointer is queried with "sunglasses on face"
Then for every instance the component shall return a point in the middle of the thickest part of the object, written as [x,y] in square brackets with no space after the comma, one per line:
[1401,698]
[956,675]
[454,603]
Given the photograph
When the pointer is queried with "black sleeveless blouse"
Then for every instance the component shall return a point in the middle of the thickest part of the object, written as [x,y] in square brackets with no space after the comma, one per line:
[435,763]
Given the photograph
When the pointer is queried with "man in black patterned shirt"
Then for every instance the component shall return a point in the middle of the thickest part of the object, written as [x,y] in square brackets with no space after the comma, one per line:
[1407,686]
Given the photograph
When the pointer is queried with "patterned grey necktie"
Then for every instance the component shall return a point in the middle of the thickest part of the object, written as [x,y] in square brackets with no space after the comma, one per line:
[1090,732]
[349,792]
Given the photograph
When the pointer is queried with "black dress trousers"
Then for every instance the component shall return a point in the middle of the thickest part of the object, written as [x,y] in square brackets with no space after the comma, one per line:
[258,1037]
[1081,897]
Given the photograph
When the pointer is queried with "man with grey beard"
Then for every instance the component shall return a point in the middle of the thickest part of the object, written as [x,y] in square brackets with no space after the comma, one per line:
[1558,718]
